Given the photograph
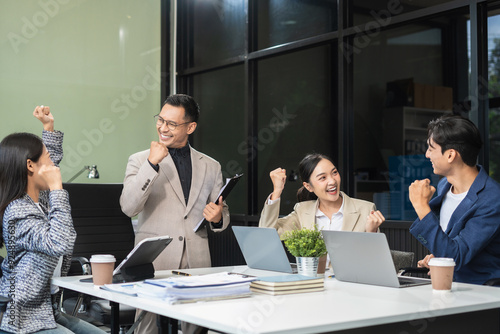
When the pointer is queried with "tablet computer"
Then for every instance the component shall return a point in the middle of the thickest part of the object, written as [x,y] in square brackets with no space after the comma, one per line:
[144,252]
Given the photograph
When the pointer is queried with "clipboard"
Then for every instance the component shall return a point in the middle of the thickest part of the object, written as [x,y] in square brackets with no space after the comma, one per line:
[224,192]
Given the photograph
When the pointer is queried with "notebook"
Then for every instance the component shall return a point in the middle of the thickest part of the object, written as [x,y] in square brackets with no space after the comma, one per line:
[362,257]
[262,249]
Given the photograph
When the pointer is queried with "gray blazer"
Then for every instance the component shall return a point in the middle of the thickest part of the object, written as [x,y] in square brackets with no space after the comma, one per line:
[159,201]
[35,241]
[304,215]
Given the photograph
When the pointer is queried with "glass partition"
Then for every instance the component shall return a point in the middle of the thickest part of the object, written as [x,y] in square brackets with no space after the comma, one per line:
[394,101]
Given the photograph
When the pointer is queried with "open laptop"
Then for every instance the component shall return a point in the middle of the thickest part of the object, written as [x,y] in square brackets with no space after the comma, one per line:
[361,257]
[262,249]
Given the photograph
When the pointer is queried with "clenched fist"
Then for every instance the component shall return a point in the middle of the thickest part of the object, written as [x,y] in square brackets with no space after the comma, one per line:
[278,177]
[157,152]
[421,193]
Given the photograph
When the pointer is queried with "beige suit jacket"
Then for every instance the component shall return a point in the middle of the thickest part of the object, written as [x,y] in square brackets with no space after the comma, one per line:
[304,215]
[159,201]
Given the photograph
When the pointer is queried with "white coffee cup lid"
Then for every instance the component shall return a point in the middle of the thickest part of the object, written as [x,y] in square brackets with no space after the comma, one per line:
[442,262]
[102,258]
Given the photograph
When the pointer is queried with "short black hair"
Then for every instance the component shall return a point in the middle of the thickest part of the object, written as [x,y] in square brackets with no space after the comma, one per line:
[458,133]
[191,108]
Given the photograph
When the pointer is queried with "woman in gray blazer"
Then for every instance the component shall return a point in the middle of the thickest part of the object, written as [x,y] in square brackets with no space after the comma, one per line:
[320,201]
[37,230]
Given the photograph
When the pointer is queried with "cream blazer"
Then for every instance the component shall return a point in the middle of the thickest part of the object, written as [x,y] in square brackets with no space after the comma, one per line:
[158,200]
[304,215]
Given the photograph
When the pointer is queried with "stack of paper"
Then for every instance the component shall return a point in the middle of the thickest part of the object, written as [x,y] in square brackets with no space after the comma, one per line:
[286,284]
[180,289]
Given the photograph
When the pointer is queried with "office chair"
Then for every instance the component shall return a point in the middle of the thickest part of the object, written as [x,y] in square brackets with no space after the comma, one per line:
[102,228]
[402,259]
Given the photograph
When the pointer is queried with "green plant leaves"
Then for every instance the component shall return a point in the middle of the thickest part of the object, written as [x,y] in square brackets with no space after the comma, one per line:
[305,242]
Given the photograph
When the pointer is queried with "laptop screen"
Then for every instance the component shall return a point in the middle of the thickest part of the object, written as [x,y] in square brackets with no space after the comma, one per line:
[262,248]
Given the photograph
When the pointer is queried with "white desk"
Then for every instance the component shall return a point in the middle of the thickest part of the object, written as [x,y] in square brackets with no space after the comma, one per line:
[344,307]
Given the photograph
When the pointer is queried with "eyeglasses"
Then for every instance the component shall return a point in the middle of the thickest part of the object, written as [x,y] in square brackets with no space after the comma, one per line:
[171,125]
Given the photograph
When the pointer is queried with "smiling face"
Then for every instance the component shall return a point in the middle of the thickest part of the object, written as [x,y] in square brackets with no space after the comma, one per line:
[325,182]
[439,160]
[174,138]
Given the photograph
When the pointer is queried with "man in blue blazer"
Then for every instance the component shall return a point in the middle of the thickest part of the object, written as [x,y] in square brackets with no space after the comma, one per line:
[463,221]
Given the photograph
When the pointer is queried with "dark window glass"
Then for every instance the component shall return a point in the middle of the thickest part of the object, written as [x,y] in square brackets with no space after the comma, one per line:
[221,128]
[295,116]
[283,21]
[218,30]
[494,92]
[379,13]
[416,74]
[494,56]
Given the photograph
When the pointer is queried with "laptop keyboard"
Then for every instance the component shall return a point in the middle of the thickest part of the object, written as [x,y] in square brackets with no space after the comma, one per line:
[405,281]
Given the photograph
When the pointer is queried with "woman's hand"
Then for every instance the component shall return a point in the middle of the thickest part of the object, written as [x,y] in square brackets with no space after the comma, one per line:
[374,220]
[278,177]
[44,115]
[52,176]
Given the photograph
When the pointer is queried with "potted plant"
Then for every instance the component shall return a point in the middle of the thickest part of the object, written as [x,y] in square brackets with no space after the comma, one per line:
[307,245]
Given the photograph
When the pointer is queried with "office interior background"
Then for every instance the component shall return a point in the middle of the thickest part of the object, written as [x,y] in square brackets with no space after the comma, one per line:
[357,80]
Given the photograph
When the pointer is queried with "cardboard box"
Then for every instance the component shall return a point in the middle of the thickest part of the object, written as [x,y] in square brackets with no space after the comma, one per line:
[423,96]
[443,98]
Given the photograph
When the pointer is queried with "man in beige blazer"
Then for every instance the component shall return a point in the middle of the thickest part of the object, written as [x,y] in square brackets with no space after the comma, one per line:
[171,187]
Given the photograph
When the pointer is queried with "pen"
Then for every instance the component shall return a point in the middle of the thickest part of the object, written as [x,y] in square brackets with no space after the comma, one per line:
[175,272]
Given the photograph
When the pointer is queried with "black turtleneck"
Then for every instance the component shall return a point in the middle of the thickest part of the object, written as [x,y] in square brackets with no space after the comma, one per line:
[182,161]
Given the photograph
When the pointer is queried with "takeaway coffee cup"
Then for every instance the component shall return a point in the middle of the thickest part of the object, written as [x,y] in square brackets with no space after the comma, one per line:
[441,273]
[102,268]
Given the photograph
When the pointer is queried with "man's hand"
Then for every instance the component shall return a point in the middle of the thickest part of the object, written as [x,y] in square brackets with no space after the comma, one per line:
[421,193]
[44,115]
[278,177]
[425,262]
[374,220]
[213,212]
[157,152]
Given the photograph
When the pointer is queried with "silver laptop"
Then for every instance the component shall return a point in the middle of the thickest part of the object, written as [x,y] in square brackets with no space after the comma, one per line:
[262,249]
[361,257]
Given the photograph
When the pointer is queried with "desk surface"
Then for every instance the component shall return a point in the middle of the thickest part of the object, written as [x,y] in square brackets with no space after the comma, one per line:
[341,306]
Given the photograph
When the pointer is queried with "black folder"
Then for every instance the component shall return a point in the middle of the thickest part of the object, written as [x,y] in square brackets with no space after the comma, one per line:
[224,192]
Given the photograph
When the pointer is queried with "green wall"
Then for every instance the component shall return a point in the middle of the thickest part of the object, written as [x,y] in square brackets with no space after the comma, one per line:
[96,63]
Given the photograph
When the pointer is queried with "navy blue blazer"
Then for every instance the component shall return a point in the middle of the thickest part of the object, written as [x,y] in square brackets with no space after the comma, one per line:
[473,234]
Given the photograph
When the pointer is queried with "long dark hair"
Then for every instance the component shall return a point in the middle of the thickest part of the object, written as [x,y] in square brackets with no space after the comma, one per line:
[306,168]
[15,150]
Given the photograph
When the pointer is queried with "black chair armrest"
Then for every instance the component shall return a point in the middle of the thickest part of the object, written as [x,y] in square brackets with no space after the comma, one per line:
[3,303]
[80,266]
[413,270]
[492,282]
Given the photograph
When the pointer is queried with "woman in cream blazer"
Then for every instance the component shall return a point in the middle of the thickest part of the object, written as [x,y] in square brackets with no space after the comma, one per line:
[320,201]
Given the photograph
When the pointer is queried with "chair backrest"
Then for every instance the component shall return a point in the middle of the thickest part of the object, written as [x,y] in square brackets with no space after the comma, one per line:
[402,259]
[100,224]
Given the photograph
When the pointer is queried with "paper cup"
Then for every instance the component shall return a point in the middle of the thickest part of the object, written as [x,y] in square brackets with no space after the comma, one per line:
[102,268]
[441,273]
